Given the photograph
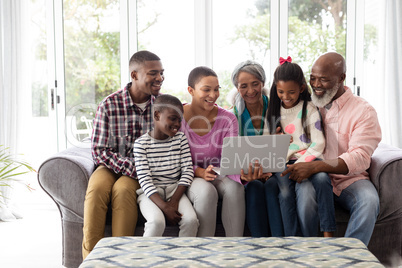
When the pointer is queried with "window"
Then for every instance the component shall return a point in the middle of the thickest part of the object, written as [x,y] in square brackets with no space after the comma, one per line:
[185,34]
[167,29]
[91,60]
[368,87]
[239,34]
[38,59]
[315,27]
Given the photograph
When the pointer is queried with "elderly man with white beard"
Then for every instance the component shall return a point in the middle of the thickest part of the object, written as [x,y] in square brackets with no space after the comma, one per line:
[352,134]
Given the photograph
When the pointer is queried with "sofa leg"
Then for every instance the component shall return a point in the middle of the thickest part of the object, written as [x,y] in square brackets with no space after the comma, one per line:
[72,239]
[385,243]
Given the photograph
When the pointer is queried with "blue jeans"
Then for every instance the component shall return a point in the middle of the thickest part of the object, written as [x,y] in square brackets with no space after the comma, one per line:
[289,190]
[263,216]
[287,201]
[321,183]
[360,199]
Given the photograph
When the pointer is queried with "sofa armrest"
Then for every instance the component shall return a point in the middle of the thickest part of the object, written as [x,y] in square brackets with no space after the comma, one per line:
[386,174]
[64,177]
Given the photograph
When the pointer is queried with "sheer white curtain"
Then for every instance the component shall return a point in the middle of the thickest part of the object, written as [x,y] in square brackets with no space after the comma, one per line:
[10,42]
[11,89]
[390,91]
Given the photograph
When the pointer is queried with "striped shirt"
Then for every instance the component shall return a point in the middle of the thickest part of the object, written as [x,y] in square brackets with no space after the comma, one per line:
[161,163]
[117,124]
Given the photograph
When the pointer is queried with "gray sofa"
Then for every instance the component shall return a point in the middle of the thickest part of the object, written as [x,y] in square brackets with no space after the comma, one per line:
[64,177]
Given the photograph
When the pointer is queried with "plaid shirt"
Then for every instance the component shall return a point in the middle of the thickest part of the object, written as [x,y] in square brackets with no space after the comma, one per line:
[118,123]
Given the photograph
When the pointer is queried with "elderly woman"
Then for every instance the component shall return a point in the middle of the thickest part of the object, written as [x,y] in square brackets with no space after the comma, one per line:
[250,104]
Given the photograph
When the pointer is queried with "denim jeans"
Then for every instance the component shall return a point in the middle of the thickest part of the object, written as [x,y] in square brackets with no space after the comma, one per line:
[293,213]
[321,183]
[262,208]
[287,201]
[360,199]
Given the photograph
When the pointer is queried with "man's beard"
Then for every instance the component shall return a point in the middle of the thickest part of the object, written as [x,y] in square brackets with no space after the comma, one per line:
[325,99]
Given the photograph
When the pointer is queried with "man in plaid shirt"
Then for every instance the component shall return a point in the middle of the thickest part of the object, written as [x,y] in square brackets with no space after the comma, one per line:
[121,118]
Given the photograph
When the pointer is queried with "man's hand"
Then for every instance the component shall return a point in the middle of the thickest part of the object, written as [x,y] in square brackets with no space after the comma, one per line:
[300,171]
[256,174]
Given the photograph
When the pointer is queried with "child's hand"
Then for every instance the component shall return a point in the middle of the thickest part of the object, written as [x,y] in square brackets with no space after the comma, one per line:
[169,209]
[172,215]
[173,203]
[280,132]
[209,174]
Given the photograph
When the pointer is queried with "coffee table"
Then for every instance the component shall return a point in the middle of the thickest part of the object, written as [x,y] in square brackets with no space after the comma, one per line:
[230,252]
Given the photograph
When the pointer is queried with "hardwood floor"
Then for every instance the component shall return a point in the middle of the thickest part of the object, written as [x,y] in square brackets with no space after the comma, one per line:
[35,240]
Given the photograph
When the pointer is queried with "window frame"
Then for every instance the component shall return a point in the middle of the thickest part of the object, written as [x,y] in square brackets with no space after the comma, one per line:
[203,38]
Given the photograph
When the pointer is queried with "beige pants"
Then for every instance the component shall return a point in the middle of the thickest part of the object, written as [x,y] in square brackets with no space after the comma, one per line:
[106,187]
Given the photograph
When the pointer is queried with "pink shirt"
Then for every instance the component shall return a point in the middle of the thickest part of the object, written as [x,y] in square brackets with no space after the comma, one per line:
[206,150]
[352,133]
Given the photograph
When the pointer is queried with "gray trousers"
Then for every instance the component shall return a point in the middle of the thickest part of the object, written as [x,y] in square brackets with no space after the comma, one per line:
[204,196]
[155,225]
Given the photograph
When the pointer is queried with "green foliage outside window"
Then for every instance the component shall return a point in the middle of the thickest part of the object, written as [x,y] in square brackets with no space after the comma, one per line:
[309,30]
[92,54]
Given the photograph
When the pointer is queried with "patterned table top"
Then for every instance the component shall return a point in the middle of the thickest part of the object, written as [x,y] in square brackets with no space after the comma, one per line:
[230,252]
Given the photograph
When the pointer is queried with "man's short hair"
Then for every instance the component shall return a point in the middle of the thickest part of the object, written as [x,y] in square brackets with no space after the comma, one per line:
[168,101]
[142,56]
[198,73]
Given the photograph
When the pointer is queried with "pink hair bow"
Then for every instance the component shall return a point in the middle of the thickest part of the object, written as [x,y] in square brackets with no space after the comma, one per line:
[282,60]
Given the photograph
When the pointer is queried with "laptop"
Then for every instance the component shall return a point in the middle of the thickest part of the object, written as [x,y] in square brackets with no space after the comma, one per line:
[238,152]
